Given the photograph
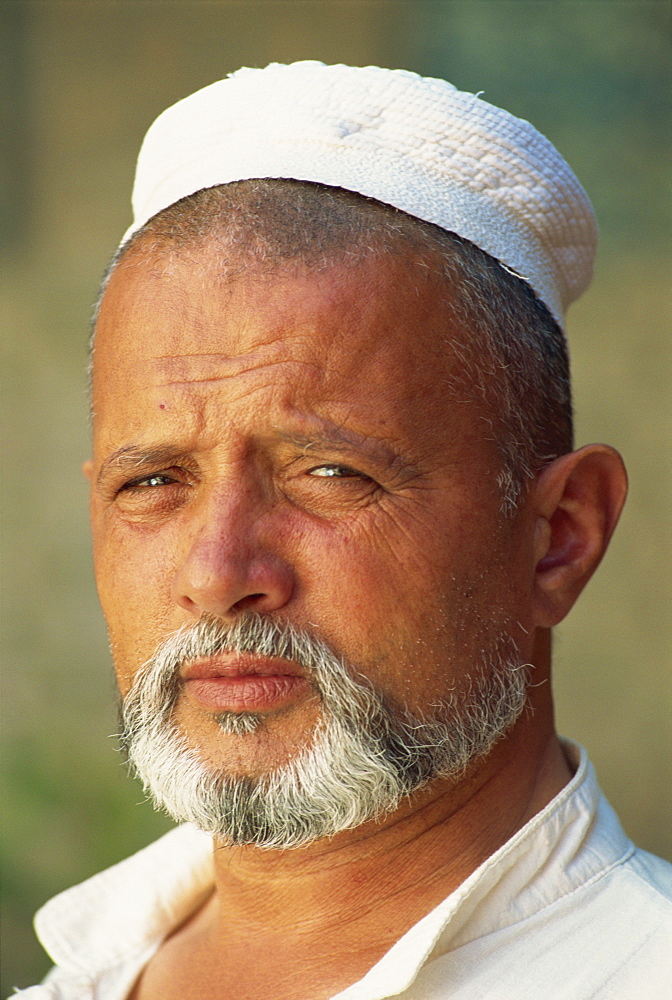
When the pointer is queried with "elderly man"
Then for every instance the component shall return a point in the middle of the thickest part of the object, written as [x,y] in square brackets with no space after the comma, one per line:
[336,513]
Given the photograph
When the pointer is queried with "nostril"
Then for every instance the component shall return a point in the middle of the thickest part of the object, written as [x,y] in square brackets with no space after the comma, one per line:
[248,601]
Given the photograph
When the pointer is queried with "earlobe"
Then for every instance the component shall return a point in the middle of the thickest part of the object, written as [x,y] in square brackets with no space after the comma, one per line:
[578,499]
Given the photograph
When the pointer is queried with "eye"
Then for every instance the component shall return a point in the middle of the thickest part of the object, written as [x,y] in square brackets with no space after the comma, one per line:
[154,495]
[336,472]
[149,482]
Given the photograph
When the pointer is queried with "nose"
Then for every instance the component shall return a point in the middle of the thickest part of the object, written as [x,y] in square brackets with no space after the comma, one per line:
[231,566]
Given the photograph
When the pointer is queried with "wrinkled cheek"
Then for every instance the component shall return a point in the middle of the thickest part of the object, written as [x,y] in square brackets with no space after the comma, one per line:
[357,573]
[133,588]
[415,614]
[381,609]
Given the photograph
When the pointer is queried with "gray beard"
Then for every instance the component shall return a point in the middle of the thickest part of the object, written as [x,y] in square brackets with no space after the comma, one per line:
[364,757]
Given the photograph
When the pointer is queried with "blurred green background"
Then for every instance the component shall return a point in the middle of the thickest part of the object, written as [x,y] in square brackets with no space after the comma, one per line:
[82,82]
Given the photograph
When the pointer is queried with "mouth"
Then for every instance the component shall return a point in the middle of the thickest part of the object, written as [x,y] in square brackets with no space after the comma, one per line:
[242,682]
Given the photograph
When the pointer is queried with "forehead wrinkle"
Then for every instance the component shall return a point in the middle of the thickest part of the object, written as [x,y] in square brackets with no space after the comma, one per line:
[175,367]
[240,358]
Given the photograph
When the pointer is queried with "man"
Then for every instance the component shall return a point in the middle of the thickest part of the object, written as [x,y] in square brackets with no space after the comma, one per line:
[336,513]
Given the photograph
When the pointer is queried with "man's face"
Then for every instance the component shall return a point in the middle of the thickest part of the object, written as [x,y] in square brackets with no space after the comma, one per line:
[288,443]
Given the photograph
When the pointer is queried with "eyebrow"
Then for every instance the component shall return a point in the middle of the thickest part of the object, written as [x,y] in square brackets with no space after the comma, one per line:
[339,439]
[132,457]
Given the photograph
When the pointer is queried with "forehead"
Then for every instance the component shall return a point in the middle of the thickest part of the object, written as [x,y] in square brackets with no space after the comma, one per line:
[195,282]
[372,342]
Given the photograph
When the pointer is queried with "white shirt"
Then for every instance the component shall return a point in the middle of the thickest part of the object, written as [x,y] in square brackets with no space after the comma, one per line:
[568,909]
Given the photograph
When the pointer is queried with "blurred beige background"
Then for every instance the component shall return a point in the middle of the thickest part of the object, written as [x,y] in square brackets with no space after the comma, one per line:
[82,82]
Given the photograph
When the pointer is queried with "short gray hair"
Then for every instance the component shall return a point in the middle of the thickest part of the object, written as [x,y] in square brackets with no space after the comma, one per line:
[513,355]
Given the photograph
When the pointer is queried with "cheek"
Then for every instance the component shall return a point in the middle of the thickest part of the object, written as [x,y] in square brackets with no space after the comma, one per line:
[377,593]
[133,577]
[415,609]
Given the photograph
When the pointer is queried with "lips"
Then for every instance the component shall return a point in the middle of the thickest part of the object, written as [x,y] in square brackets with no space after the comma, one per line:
[242,683]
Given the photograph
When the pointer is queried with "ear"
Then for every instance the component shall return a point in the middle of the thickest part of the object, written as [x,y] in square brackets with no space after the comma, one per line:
[577,499]
[87,469]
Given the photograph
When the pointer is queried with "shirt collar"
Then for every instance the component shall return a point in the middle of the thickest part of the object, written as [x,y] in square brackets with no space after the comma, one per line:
[576,838]
[129,908]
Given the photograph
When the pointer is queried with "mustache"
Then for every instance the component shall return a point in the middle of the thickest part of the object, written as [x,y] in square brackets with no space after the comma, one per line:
[252,633]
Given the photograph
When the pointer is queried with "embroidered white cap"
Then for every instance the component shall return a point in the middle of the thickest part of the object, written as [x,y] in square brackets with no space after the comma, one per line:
[415,143]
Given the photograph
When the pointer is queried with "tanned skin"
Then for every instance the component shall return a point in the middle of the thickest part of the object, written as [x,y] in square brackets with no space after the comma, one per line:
[285,443]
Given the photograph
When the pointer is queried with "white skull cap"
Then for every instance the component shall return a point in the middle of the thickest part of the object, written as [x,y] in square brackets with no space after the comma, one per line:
[415,143]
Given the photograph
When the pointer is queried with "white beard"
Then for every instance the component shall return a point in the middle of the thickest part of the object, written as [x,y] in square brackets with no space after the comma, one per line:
[364,756]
